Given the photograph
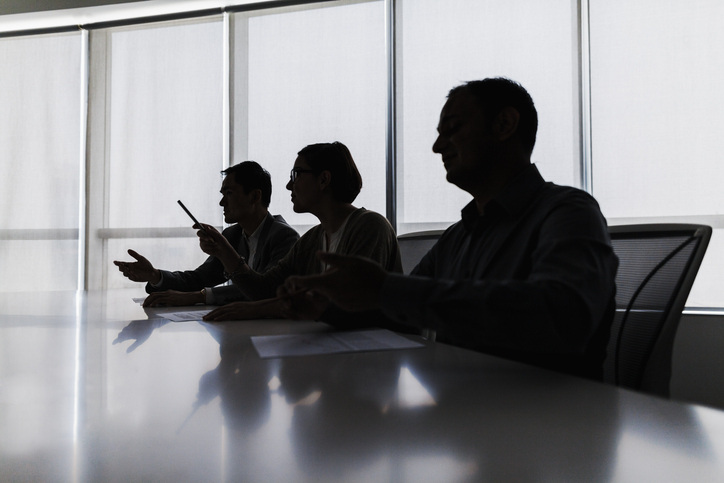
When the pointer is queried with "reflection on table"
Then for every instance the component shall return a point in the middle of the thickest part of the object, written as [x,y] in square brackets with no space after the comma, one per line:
[96,388]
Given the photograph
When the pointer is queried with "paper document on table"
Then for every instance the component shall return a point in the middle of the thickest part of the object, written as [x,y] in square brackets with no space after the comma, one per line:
[330,343]
[185,316]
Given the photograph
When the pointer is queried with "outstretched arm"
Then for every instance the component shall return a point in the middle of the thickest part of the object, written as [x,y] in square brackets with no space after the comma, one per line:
[139,271]
[352,283]
[346,296]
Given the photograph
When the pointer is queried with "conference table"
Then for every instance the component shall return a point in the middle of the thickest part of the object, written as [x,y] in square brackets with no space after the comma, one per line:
[93,387]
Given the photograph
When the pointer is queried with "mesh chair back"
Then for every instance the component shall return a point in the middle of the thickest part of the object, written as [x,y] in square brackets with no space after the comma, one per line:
[414,246]
[657,267]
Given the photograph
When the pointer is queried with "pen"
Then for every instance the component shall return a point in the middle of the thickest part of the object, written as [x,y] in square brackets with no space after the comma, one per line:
[201,227]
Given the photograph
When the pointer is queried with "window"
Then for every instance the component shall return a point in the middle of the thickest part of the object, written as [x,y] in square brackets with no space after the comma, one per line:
[441,45]
[656,134]
[40,139]
[163,130]
[304,76]
[170,106]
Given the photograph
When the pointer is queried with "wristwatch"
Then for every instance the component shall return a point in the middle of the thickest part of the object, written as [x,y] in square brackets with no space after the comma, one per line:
[239,268]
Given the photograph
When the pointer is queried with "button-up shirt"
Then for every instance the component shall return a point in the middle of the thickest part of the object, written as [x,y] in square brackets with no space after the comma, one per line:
[532,279]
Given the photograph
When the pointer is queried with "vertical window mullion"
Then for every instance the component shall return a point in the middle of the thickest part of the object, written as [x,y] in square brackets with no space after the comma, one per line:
[585,89]
[391,158]
[82,160]
[226,96]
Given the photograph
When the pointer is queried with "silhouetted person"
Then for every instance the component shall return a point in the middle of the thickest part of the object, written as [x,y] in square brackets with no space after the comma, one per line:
[324,182]
[260,237]
[527,273]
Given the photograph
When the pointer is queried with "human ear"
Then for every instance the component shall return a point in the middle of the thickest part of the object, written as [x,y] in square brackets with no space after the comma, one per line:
[324,179]
[256,196]
[506,123]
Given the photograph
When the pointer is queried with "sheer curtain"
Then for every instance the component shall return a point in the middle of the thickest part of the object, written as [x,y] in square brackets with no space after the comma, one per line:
[311,75]
[40,169]
[317,72]
[158,133]
[441,45]
[657,111]
[40,160]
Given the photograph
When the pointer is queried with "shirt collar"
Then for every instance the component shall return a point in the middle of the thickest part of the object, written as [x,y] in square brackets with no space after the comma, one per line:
[257,232]
[512,201]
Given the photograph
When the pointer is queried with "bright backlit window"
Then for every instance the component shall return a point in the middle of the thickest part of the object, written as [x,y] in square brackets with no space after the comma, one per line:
[39,162]
[310,76]
[441,45]
[657,110]
[164,142]
[170,104]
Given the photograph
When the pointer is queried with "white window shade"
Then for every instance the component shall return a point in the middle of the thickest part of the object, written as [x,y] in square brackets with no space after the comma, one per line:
[165,141]
[657,111]
[39,162]
[310,76]
[657,107]
[441,45]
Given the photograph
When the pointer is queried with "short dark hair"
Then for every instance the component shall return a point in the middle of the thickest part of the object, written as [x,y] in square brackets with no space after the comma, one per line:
[335,158]
[496,93]
[251,176]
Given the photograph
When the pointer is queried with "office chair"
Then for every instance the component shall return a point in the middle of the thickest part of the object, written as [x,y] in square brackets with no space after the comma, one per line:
[414,246]
[657,267]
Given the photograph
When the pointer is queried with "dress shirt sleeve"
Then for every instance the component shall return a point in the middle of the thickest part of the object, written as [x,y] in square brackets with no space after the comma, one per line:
[208,274]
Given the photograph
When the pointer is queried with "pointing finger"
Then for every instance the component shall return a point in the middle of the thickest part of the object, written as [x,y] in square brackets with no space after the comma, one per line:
[135,255]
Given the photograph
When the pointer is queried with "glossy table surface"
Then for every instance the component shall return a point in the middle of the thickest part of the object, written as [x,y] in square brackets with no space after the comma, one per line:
[94,388]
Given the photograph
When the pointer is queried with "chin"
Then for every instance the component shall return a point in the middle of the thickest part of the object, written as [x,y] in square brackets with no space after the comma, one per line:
[450,176]
[457,180]
[300,209]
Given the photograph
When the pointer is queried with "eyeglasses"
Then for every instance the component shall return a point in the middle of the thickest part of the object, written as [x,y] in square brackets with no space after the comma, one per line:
[296,171]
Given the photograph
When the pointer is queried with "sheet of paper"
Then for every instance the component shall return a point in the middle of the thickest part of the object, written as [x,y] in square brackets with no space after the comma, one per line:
[185,316]
[330,343]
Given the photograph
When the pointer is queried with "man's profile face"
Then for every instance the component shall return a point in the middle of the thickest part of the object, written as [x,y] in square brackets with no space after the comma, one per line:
[464,141]
[237,204]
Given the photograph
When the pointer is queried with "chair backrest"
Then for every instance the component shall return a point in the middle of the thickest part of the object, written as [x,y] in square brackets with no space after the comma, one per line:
[414,246]
[657,267]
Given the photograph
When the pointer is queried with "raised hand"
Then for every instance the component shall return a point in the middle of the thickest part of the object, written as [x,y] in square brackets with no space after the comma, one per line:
[139,271]
[215,244]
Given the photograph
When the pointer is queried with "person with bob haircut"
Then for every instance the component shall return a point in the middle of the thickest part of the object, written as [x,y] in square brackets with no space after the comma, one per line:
[324,181]
[527,273]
